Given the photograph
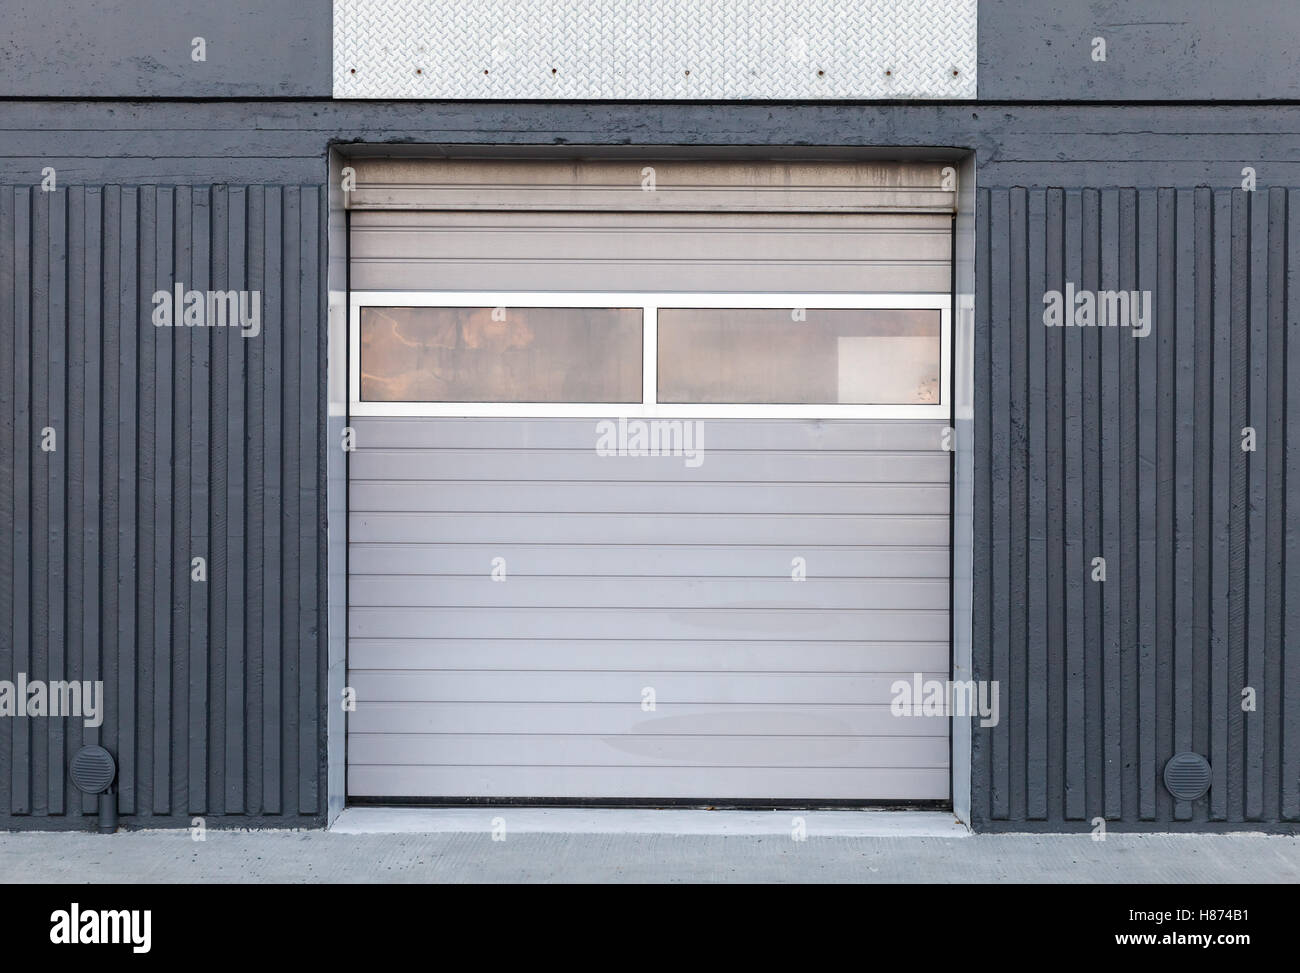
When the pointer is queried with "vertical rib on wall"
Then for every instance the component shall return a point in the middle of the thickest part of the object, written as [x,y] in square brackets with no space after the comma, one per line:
[1101,444]
[172,443]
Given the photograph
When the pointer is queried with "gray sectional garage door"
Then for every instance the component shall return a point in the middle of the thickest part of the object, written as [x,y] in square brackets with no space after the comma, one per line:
[643,636]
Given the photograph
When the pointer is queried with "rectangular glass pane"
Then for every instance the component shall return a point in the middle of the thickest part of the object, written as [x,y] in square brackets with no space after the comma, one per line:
[813,356]
[512,354]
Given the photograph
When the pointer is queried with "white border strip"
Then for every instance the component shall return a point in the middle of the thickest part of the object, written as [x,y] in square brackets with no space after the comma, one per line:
[650,304]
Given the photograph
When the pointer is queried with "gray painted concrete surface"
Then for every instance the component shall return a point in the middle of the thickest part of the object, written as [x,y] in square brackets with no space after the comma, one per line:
[145,49]
[464,857]
[1155,50]
[641,821]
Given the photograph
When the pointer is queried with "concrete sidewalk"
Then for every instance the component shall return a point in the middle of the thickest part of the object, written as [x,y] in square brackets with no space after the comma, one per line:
[577,845]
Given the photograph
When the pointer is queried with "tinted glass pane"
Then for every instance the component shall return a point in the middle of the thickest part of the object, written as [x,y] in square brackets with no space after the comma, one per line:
[877,357]
[517,354]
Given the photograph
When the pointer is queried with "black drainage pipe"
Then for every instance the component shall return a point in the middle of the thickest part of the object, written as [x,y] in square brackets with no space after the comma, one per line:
[93,770]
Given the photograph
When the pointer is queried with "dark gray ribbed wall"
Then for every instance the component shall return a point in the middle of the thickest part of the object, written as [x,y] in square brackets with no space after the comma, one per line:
[1094,443]
[172,443]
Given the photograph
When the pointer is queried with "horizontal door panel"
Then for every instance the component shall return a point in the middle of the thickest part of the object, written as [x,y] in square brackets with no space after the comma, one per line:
[801,435]
[760,719]
[606,687]
[668,623]
[739,783]
[645,560]
[723,466]
[706,529]
[403,591]
[645,750]
[525,496]
[829,242]
[628,654]
[899,276]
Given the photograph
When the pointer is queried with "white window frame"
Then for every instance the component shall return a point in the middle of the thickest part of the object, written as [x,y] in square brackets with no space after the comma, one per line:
[650,303]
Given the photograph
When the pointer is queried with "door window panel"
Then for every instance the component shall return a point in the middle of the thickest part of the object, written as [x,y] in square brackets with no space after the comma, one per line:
[814,356]
[512,354]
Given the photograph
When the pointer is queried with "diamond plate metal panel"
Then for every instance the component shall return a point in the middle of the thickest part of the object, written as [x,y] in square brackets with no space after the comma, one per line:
[655,49]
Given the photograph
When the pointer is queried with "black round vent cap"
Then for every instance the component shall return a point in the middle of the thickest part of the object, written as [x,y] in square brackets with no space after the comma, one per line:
[93,770]
[1187,776]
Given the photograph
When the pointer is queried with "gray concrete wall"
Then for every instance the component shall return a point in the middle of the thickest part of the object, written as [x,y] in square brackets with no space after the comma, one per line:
[145,49]
[1154,50]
